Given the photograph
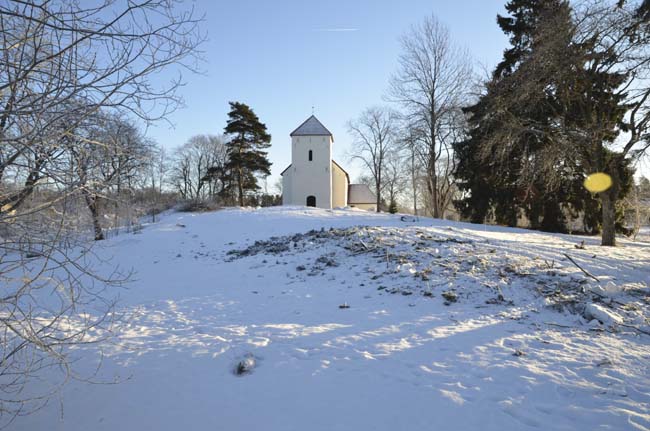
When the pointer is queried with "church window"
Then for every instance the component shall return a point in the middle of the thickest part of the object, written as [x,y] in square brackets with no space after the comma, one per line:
[310,156]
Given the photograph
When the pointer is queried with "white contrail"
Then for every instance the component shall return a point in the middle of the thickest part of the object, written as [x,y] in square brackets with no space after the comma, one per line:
[337,30]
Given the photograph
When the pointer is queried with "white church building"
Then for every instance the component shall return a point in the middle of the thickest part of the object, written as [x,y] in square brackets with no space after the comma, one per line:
[314,179]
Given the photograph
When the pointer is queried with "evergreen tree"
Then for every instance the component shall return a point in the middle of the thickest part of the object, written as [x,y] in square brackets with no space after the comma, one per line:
[248,139]
[392,207]
[542,126]
[505,172]
[593,111]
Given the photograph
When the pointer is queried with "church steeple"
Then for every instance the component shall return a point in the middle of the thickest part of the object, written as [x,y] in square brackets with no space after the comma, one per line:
[313,178]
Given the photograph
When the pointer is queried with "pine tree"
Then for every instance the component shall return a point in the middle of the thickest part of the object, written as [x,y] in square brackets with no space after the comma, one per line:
[248,139]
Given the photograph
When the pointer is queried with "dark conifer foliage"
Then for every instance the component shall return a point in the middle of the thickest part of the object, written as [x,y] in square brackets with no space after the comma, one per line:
[392,207]
[505,167]
[248,140]
[543,123]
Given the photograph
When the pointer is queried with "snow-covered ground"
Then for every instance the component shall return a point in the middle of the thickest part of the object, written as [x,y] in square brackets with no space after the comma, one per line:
[644,234]
[376,324]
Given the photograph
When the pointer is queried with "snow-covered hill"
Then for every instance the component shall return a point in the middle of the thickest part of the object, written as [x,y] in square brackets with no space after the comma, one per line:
[345,320]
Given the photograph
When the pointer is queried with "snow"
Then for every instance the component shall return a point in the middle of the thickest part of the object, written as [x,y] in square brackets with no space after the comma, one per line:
[602,314]
[520,348]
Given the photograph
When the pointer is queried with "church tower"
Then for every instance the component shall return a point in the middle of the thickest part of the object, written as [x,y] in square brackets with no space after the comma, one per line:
[309,181]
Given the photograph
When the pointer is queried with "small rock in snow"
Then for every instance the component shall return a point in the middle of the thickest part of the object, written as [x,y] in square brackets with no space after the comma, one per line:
[604,362]
[245,365]
[602,314]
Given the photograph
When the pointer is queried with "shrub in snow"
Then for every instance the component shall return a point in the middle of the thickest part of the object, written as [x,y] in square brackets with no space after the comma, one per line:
[450,296]
[197,206]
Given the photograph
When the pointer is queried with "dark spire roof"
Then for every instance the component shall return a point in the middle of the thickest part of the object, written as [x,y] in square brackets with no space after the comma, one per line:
[311,127]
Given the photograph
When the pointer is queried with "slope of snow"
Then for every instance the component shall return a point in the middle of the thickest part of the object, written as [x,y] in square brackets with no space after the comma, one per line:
[449,326]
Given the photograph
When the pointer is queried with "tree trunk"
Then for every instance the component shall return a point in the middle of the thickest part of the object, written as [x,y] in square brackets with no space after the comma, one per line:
[433,194]
[413,179]
[240,188]
[433,157]
[377,190]
[433,186]
[608,200]
[91,202]
[609,219]
[14,201]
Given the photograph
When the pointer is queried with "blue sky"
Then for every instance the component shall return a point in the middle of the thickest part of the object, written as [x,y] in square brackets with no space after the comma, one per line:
[283,57]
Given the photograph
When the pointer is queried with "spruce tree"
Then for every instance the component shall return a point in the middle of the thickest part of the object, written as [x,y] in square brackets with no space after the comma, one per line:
[247,141]
[500,169]
[522,155]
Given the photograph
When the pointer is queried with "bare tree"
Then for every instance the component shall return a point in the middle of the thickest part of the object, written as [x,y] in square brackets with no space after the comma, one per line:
[432,85]
[619,32]
[277,186]
[199,167]
[374,139]
[62,64]
[395,176]
[409,144]
[157,169]
[107,154]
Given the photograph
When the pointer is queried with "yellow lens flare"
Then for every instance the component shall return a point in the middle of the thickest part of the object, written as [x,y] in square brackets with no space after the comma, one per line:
[598,182]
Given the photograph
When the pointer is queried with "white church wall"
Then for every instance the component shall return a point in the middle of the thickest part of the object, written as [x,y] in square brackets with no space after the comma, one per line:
[339,187]
[311,178]
[287,177]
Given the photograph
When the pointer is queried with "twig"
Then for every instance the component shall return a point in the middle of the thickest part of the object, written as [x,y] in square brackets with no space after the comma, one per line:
[363,244]
[580,268]
[356,253]
[605,297]
[558,325]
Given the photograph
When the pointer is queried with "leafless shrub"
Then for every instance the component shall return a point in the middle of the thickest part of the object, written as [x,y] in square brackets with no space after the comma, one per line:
[198,206]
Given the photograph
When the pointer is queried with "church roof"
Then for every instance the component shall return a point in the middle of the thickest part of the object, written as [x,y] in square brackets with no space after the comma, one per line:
[360,194]
[311,127]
